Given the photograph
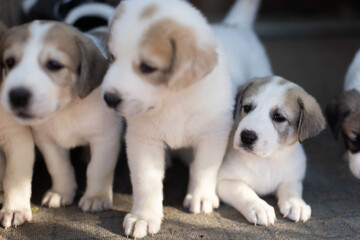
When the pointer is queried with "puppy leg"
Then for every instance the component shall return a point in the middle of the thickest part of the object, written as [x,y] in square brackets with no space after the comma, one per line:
[290,202]
[19,152]
[245,200]
[100,173]
[2,169]
[201,196]
[146,163]
[62,174]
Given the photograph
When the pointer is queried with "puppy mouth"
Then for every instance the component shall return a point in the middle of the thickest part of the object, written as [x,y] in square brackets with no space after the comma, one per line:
[24,115]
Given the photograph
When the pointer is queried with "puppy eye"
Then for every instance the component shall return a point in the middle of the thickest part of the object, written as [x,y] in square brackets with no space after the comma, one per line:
[146,69]
[111,57]
[247,108]
[10,62]
[277,117]
[54,66]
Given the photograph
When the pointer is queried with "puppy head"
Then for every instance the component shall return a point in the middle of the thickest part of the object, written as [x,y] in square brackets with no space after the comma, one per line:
[46,66]
[161,53]
[272,113]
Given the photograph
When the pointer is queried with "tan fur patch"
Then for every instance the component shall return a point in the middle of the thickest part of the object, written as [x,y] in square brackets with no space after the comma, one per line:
[254,85]
[351,102]
[149,11]
[174,51]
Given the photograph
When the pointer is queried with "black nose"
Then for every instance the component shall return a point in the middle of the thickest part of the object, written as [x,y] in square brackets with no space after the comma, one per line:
[112,100]
[248,137]
[19,97]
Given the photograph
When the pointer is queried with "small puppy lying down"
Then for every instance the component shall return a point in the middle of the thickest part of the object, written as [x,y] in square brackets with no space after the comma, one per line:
[52,72]
[343,115]
[273,116]
[16,167]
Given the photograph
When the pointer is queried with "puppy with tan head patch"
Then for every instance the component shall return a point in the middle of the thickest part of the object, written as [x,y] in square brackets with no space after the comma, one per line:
[343,115]
[52,72]
[273,116]
[16,167]
[167,77]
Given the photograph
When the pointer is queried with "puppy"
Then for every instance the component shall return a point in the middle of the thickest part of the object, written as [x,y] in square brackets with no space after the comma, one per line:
[343,115]
[52,72]
[16,166]
[273,116]
[167,77]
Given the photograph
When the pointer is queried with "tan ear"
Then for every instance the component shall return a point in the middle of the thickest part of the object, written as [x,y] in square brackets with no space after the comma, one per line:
[311,119]
[190,61]
[93,66]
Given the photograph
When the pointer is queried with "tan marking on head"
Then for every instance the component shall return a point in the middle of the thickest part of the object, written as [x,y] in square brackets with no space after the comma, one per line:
[351,103]
[254,85]
[283,82]
[174,51]
[149,11]
[13,42]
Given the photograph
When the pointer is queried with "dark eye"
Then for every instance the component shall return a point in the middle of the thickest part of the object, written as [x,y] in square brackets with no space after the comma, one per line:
[146,69]
[247,108]
[277,117]
[54,66]
[10,62]
[111,57]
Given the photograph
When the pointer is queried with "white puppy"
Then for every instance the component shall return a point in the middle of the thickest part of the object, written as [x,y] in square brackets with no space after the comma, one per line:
[16,167]
[51,75]
[343,115]
[167,77]
[273,116]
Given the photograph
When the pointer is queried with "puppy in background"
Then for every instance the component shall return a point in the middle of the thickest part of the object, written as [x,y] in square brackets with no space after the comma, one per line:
[16,167]
[52,74]
[343,115]
[264,156]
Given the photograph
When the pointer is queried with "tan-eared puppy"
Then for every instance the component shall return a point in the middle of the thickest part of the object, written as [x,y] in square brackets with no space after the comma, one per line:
[273,116]
[343,115]
[16,167]
[167,77]
[52,72]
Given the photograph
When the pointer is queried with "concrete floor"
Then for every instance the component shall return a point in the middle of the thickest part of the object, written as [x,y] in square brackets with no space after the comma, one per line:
[317,64]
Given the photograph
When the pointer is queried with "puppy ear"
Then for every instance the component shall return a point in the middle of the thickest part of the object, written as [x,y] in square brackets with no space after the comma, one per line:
[336,114]
[190,61]
[311,120]
[93,66]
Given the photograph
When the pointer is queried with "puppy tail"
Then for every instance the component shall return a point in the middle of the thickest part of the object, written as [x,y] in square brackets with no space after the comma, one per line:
[242,13]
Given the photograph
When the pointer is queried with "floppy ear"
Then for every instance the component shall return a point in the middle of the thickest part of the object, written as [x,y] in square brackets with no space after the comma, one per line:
[93,66]
[335,114]
[238,98]
[311,120]
[190,62]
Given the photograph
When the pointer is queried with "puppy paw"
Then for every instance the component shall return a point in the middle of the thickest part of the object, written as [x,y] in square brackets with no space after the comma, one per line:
[139,227]
[14,218]
[260,213]
[295,209]
[201,204]
[95,204]
[53,199]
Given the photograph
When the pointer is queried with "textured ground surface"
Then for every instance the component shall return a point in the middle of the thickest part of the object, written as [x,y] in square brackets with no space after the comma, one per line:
[319,65]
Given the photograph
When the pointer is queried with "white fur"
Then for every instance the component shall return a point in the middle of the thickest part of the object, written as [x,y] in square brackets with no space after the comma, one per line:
[269,168]
[16,164]
[61,124]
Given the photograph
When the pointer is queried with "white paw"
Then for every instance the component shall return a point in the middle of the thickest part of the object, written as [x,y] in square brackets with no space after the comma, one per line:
[95,204]
[295,209]
[14,218]
[201,204]
[53,199]
[138,227]
[261,213]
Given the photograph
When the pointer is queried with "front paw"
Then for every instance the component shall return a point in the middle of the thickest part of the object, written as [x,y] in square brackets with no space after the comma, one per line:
[14,217]
[138,227]
[259,212]
[95,204]
[295,209]
[198,203]
[53,199]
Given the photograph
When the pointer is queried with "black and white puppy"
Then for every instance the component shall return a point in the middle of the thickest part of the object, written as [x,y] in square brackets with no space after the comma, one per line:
[273,116]
[343,115]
